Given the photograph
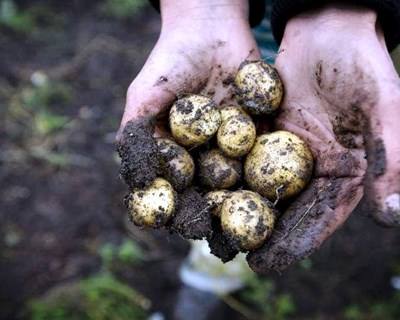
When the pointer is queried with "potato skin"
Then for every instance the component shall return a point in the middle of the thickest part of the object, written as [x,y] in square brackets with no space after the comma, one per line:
[247,219]
[217,171]
[152,206]
[193,120]
[230,111]
[236,136]
[178,165]
[279,161]
[215,199]
[259,87]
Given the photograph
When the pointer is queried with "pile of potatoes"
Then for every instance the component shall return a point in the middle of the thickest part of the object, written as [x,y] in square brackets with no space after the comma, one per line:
[242,176]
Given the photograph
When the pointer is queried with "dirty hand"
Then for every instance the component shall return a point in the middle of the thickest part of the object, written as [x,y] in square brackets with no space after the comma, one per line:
[343,97]
[201,46]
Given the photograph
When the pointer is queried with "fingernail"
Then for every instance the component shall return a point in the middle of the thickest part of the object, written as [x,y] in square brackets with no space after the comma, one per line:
[392,204]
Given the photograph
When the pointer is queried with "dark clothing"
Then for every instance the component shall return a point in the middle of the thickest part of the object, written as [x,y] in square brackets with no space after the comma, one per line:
[282,10]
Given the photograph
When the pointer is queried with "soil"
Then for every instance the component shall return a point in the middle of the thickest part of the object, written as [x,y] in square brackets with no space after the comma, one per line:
[139,155]
[54,219]
[192,219]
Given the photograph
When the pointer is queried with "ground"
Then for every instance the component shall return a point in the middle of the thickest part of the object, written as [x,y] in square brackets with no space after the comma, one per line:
[60,193]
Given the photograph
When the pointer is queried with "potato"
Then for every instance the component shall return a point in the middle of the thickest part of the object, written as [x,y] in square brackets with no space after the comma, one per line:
[236,135]
[178,166]
[152,206]
[247,219]
[259,88]
[279,163]
[230,111]
[193,120]
[217,171]
[215,199]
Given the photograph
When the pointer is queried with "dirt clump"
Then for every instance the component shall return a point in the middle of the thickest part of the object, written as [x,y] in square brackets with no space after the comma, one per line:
[139,153]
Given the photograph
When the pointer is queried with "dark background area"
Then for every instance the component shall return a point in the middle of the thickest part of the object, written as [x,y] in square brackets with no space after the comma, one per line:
[64,70]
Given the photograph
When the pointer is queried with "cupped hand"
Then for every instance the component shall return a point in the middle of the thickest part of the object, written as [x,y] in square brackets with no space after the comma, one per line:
[199,51]
[342,95]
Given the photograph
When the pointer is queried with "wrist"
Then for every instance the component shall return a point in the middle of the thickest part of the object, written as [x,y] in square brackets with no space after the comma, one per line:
[330,20]
[194,11]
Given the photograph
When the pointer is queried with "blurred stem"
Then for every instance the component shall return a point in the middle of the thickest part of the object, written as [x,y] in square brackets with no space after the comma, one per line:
[240,307]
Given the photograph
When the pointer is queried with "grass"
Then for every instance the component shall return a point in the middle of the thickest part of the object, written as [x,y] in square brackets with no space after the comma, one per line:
[100,297]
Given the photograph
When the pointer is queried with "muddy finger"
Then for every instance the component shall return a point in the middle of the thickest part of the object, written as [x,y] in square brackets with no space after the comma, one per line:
[307,223]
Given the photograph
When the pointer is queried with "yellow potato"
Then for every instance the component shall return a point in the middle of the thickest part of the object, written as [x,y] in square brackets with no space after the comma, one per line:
[280,163]
[193,120]
[178,166]
[259,87]
[247,219]
[230,111]
[236,135]
[215,200]
[152,206]
[217,171]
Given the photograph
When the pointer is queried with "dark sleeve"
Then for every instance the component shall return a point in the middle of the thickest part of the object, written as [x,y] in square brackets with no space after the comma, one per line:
[256,10]
[388,15]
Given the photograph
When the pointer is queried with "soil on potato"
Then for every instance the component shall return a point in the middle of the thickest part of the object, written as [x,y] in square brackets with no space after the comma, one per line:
[54,218]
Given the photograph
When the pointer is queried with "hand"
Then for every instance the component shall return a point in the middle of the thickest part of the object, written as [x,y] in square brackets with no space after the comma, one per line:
[343,97]
[201,46]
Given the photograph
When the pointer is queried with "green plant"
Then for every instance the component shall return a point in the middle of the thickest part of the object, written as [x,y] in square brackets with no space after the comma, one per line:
[127,253]
[259,300]
[11,17]
[34,121]
[100,297]
[122,9]
[388,310]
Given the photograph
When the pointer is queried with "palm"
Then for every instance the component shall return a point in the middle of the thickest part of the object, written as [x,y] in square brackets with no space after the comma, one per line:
[332,102]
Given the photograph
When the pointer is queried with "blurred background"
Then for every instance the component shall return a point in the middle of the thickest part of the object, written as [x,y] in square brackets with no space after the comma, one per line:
[67,250]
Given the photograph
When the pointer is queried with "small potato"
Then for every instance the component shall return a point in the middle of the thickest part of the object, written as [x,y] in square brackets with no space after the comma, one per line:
[178,166]
[230,111]
[247,219]
[217,171]
[236,136]
[279,165]
[215,199]
[259,87]
[152,206]
[193,120]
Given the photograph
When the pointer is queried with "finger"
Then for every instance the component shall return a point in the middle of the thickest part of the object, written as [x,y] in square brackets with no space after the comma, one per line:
[307,223]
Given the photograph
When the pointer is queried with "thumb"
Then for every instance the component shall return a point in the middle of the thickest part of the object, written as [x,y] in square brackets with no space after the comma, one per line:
[165,75]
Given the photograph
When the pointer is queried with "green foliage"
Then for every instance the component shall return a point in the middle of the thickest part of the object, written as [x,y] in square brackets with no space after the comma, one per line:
[11,17]
[260,296]
[33,119]
[388,310]
[122,9]
[101,297]
[353,312]
[128,253]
